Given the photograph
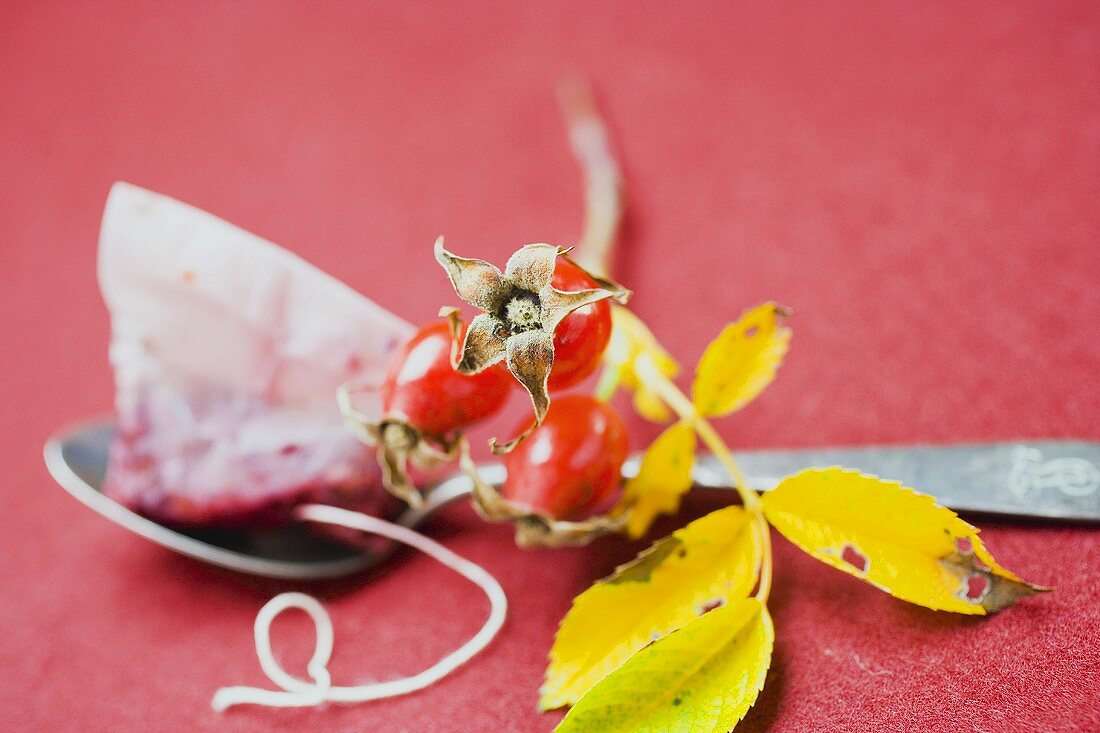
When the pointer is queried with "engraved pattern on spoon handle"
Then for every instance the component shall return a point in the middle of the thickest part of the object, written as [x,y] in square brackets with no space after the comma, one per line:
[1050,479]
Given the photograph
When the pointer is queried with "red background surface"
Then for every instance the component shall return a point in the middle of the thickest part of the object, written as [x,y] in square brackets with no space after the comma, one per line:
[920,183]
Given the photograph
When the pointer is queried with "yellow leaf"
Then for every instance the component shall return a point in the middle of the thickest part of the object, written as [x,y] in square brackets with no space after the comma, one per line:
[663,477]
[700,679]
[663,589]
[630,338]
[739,364]
[893,537]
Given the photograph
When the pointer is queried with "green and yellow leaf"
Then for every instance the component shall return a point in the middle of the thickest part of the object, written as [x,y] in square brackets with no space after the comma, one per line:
[631,338]
[893,537]
[741,362]
[664,588]
[663,478]
[700,679]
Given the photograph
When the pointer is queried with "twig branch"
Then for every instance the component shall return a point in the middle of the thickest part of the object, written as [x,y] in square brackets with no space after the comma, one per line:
[603,186]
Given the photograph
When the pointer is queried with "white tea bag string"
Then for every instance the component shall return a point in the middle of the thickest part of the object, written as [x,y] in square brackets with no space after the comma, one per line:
[301,693]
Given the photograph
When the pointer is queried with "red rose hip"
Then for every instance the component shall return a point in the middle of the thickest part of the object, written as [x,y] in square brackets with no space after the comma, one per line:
[572,462]
[422,390]
[582,336]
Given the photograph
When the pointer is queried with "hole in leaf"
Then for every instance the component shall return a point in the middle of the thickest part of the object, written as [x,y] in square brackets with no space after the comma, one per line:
[855,558]
[963,545]
[751,331]
[975,588]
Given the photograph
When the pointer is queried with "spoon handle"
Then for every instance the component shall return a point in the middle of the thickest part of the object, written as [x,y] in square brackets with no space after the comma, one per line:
[1054,479]
[1051,479]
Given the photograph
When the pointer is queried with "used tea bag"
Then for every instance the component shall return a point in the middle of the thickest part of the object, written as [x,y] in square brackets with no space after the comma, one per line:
[227,352]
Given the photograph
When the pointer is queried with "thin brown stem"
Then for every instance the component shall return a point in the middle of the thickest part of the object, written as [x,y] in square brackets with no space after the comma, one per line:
[603,187]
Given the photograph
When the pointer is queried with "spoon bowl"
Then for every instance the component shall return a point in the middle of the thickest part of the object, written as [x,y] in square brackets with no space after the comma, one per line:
[76,457]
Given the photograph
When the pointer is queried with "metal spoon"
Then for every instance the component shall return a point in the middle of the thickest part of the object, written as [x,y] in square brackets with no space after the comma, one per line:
[1049,479]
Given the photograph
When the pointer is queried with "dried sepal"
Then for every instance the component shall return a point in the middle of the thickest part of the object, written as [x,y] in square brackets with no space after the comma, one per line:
[530,359]
[532,267]
[557,304]
[393,447]
[480,348]
[475,281]
[397,445]
[521,311]
[431,453]
[620,294]
[454,324]
[361,425]
[534,529]
[537,530]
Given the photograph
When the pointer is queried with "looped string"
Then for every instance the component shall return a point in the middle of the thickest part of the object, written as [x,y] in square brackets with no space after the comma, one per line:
[301,693]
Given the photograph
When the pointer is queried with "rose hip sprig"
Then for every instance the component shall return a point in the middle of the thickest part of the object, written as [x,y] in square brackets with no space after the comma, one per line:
[698,636]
